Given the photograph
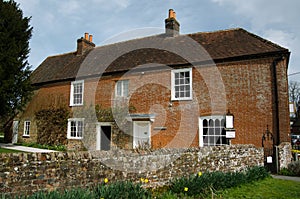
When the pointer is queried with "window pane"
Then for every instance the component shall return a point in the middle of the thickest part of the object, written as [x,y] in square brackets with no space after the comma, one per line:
[80,129]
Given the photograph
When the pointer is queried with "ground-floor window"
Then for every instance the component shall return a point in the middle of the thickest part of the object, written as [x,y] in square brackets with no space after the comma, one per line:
[211,131]
[75,128]
[26,128]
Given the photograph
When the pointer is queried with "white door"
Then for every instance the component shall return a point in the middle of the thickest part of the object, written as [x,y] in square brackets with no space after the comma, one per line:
[141,134]
[15,131]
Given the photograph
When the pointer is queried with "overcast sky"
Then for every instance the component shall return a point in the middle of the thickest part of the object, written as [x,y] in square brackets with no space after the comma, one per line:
[57,24]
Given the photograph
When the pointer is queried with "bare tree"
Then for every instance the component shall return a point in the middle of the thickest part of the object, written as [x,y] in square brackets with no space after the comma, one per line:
[294,94]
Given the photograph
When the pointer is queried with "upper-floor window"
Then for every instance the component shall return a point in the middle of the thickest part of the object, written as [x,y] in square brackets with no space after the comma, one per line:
[75,128]
[26,128]
[181,83]
[122,88]
[212,131]
[76,96]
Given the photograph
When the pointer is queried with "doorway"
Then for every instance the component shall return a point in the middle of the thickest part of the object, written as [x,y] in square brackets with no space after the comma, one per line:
[104,136]
[141,134]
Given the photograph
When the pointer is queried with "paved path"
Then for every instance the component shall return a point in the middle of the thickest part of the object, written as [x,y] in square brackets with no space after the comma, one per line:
[286,177]
[24,148]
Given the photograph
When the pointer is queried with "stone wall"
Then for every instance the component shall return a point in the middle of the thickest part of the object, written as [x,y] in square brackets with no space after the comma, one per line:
[284,155]
[25,173]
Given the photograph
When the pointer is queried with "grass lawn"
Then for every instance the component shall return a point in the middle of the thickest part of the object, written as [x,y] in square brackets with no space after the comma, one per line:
[268,188]
[8,151]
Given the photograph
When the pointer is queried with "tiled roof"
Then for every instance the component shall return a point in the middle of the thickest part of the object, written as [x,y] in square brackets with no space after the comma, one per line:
[192,48]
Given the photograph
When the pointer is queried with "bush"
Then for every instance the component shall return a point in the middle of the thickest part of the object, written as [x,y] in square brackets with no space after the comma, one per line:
[294,168]
[202,185]
[286,172]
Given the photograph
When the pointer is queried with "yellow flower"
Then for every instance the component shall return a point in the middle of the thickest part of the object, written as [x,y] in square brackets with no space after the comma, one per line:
[146,180]
[186,189]
[142,180]
[105,180]
[199,173]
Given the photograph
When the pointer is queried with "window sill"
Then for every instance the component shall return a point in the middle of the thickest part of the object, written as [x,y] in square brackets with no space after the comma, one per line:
[187,99]
[71,105]
[73,138]
[26,136]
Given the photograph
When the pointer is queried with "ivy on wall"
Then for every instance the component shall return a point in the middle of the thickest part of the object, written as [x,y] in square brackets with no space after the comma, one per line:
[52,126]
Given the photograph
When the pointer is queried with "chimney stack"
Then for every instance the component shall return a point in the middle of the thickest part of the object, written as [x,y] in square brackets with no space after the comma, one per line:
[85,43]
[171,24]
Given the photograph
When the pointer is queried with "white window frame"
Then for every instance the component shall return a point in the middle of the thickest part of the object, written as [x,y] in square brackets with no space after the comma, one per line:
[201,133]
[72,93]
[121,83]
[173,72]
[77,120]
[27,125]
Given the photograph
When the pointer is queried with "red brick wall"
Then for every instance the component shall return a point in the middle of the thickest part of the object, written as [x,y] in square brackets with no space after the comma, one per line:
[248,95]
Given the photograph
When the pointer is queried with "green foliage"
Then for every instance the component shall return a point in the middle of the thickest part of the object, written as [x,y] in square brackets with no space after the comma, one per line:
[294,168]
[203,185]
[15,87]
[122,190]
[52,126]
[286,172]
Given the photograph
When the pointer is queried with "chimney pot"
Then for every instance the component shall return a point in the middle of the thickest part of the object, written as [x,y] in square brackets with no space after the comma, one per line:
[91,38]
[86,35]
[171,13]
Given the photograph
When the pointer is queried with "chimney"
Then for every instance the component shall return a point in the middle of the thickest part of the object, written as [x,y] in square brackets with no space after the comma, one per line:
[84,44]
[171,24]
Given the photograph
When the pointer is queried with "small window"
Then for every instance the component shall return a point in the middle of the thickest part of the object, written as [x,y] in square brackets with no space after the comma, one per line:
[75,128]
[181,82]
[26,128]
[76,96]
[212,131]
[122,88]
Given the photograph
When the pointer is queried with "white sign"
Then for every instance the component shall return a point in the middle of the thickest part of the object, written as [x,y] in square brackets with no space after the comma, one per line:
[230,134]
[269,159]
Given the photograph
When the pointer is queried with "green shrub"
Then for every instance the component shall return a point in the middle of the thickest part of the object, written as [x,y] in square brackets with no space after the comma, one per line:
[122,190]
[204,184]
[294,168]
[286,172]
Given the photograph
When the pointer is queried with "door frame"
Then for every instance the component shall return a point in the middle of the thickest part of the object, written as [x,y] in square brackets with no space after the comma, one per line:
[98,138]
[134,132]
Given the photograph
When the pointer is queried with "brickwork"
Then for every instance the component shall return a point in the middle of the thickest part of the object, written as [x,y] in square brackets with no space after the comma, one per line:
[25,173]
[245,88]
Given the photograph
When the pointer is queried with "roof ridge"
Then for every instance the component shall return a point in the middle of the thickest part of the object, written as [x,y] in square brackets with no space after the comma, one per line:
[266,41]
[216,31]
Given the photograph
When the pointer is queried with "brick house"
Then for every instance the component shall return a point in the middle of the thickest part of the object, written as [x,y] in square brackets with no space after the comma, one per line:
[173,90]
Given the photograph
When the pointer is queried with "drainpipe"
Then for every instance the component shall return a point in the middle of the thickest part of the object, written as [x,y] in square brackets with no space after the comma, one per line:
[276,95]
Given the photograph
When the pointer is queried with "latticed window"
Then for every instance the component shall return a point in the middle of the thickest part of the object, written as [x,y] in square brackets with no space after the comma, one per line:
[77,89]
[122,88]
[181,84]
[212,131]
[26,128]
[75,128]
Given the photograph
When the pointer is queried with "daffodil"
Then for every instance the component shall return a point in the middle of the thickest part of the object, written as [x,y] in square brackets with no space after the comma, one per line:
[142,180]
[105,180]
[146,180]
[186,189]
[199,173]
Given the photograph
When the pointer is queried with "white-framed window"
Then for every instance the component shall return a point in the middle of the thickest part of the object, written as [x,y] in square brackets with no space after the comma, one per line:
[212,131]
[122,88]
[181,84]
[75,128]
[76,94]
[26,129]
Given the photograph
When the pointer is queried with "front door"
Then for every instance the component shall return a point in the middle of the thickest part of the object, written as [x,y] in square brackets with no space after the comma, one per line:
[104,137]
[141,134]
